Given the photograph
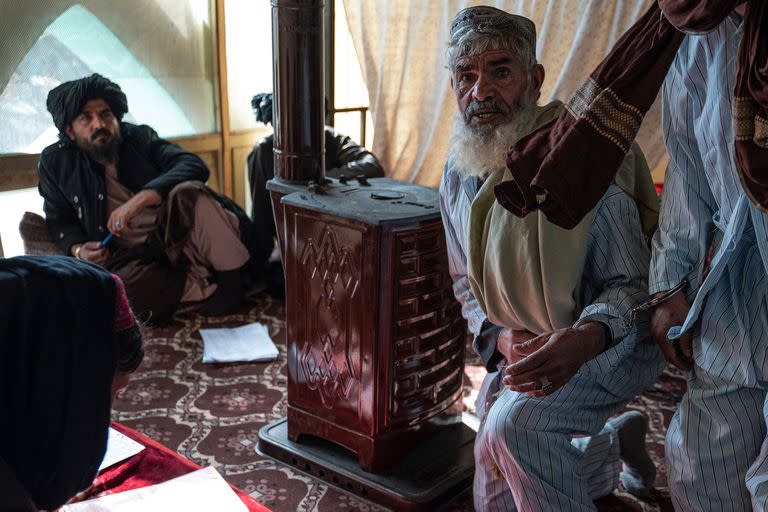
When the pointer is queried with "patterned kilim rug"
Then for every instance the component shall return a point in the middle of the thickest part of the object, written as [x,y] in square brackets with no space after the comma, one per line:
[211,414]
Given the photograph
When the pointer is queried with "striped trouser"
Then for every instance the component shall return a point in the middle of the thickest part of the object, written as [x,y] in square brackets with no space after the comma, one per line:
[717,450]
[526,456]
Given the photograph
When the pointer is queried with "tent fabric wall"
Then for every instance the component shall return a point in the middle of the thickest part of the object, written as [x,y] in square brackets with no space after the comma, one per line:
[402,47]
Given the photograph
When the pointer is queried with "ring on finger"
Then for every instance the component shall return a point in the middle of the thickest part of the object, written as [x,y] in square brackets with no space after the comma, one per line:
[546,384]
[117,224]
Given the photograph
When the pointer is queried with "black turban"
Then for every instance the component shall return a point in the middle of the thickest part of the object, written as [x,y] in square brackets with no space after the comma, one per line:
[67,100]
[262,107]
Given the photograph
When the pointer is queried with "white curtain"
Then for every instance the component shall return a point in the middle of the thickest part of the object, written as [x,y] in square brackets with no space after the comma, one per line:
[402,46]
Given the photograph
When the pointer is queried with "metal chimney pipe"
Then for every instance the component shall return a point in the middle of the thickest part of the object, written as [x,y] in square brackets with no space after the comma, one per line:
[299,90]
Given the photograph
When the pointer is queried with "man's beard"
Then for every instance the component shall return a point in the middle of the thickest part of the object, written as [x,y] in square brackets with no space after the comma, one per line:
[482,149]
[106,151]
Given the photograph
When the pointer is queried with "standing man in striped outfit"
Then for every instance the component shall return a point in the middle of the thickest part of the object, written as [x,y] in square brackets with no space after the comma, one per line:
[712,235]
[550,303]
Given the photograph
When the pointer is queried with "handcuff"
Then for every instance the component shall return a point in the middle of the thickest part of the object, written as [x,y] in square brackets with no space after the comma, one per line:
[655,301]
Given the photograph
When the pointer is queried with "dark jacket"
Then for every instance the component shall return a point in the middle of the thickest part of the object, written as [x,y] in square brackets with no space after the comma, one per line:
[74,189]
[342,156]
[58,355]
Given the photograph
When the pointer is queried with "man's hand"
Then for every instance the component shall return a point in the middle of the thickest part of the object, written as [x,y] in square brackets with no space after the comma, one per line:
[556,356]
[121,217]
[508,339]
[666,315]
[91,251]
[119,382]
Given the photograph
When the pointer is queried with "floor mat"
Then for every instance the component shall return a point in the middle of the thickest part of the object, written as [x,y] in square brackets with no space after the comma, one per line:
[211,414]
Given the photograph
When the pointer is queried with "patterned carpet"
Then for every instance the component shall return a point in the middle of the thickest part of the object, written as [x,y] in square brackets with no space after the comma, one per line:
[211,414]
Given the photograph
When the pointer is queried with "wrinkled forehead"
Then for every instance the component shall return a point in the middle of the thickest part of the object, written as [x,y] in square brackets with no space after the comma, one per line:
[486,59]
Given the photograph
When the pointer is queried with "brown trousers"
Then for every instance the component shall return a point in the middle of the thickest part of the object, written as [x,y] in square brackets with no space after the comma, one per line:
[156,272]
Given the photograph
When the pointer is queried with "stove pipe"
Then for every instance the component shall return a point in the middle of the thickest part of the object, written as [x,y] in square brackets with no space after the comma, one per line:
[299,90]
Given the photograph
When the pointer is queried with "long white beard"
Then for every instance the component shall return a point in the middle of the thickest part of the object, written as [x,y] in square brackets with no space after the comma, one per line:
[479,154]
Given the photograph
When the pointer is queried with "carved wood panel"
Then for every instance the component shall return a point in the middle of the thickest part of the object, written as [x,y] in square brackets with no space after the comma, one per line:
[326,319]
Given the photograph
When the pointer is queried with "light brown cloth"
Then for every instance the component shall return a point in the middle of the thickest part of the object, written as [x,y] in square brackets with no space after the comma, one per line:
[140,226]
[526,272]
[213,243]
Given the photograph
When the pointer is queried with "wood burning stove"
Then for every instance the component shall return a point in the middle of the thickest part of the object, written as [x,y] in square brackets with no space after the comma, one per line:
[375,336]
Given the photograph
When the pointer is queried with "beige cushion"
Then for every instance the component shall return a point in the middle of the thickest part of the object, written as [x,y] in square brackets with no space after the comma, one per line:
[34,234]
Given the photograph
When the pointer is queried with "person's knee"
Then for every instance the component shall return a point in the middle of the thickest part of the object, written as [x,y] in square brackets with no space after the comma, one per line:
[507,430]
[181,204]
[187,187]
[190,203]
[186,193]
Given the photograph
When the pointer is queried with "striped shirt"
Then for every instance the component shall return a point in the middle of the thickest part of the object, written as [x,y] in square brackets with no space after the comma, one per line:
[703,195]
[715,441]
[615,272]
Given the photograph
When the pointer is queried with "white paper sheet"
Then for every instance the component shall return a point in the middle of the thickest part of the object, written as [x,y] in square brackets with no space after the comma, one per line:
[250,342]
[119,448]
[200,491]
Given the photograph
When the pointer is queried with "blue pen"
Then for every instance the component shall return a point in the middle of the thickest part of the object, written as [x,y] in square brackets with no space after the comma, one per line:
[106,240]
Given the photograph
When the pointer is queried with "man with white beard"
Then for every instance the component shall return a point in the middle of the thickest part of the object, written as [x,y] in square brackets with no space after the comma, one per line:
[550,309]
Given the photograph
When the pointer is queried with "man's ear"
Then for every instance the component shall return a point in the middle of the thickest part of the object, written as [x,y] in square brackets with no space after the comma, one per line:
[537,79]
[69,132]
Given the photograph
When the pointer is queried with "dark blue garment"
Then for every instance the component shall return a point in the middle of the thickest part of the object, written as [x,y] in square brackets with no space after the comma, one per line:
[57,362]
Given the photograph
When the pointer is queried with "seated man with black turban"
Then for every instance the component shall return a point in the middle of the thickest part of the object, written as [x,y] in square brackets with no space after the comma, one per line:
[343,157]
[174,240]
[58,376]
